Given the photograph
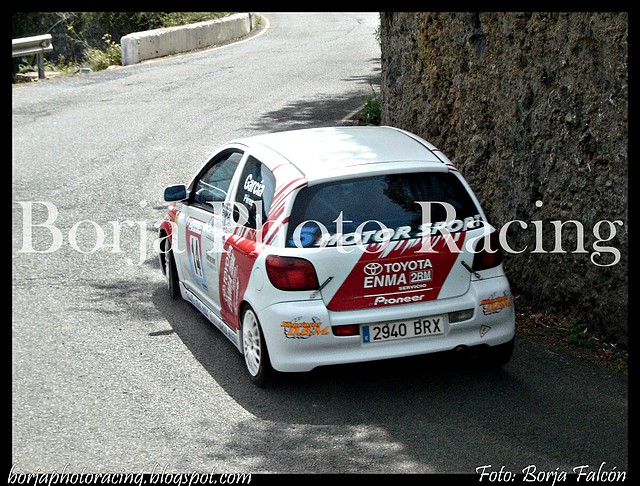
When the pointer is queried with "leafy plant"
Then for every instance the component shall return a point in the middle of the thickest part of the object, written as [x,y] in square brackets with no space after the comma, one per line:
[371,112]
[579,334]
[111,54]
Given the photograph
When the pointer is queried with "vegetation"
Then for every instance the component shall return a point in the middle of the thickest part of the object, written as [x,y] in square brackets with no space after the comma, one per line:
[371,111]
[569,336]
[90,39]
[99,59]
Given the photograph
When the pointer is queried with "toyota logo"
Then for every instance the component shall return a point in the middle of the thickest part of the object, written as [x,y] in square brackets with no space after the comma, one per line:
[373,268]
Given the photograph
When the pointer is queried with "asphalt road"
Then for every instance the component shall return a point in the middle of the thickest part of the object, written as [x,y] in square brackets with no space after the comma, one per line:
[109,374]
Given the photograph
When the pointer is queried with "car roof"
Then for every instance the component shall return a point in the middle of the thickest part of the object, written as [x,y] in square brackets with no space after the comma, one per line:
[330,152]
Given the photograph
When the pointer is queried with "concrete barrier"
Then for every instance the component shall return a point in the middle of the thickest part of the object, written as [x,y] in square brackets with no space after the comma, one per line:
[151,44]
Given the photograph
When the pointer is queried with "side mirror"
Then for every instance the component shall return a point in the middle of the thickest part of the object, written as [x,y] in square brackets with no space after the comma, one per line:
[175,193]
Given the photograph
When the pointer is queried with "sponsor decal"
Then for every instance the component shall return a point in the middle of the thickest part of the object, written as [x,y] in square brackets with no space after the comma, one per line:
[211,258]
[236,263]
[252,187]
[398,274]
[384,300]
[194,247]
[198,304]
[373,268]
[297,329]
[229,287]
[213,318]
[495,304]
[307,235]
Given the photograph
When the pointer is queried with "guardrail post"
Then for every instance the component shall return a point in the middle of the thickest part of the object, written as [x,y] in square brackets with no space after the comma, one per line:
[37,45]
[40,58]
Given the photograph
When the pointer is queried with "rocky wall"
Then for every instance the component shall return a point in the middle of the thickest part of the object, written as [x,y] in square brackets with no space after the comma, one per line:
[532,108]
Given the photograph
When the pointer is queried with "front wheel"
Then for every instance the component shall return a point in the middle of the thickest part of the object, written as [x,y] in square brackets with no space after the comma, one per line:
[169,269]
[254,349]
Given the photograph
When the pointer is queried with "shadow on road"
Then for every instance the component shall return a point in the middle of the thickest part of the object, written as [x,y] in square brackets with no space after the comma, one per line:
[323,110]
[446,416]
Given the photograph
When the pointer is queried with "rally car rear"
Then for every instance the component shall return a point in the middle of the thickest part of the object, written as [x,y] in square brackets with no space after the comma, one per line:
[366,272]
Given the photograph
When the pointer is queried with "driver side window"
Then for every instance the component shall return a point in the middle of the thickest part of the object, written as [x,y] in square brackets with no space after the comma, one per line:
[213,184]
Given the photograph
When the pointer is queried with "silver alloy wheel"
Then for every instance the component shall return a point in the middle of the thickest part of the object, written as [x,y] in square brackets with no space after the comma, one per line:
[251,342]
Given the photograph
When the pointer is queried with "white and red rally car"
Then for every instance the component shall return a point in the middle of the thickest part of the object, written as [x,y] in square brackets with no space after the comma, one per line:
[337,245]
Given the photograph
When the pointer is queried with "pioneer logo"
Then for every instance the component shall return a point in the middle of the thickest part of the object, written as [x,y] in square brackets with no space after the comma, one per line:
[384,300]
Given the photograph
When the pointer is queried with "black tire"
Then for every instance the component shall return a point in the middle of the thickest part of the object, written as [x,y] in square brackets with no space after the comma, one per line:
[169,269]
[498,356]
[254,349]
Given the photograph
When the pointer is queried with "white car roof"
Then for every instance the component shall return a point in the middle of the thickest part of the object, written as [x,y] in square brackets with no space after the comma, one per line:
[332,152]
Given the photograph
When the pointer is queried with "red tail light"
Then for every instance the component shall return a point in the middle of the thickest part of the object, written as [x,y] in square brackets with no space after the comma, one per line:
[346,330]
[291,273]
[488,252]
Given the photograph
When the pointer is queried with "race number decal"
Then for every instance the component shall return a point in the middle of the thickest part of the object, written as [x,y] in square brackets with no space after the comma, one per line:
[194,247]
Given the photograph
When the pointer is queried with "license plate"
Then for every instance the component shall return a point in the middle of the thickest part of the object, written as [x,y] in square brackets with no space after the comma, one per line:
[389,331]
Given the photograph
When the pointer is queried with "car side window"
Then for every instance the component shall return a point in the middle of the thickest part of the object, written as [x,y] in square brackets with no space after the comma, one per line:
[213,184]
[255,190]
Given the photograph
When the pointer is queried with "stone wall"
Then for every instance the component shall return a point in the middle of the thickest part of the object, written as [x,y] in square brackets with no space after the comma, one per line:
[533,110]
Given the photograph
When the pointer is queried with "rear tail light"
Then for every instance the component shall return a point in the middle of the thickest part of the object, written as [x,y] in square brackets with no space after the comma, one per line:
[488,252]
[346,330]
[291,273]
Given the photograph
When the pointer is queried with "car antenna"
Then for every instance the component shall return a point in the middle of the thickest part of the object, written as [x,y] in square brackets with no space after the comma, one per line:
[471,270]
[317,291]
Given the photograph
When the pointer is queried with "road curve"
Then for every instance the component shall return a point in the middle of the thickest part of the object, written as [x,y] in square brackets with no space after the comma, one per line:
[109,374]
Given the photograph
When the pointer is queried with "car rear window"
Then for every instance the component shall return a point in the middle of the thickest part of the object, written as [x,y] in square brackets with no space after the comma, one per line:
[368,204]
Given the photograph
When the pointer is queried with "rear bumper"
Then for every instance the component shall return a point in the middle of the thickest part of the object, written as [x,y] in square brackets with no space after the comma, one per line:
[299,334]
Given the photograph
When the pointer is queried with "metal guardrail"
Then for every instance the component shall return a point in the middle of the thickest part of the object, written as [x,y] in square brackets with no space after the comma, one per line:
[37,44]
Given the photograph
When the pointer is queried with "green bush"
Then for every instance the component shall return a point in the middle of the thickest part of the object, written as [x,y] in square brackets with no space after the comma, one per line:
[110,55]
[371,111]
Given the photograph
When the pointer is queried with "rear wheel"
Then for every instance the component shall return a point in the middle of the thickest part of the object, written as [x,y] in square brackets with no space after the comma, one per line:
[498,356]
[254,349]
